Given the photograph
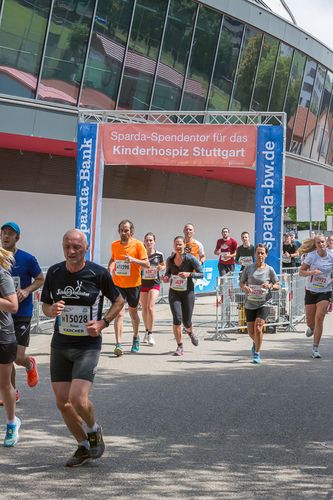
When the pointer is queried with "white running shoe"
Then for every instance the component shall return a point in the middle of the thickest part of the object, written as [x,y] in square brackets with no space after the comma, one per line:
[151,340]
[315,353]
[309,332]
[145,338]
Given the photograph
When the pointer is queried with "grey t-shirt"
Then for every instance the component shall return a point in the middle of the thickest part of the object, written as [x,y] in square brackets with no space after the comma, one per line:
[255,277]
[7,287]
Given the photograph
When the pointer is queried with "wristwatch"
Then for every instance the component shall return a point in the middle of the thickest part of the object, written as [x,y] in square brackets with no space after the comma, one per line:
[106,321]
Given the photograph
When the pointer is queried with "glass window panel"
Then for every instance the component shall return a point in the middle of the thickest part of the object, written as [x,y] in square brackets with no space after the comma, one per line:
[106,54]
[22,35]
[202,59]
[303,107]
[324,123]
[246,69]
[65,50]
[311,122]
[295,82]
[226,64]
[265,74]
[326,150]
[281,78]
[174,56]
[140,64]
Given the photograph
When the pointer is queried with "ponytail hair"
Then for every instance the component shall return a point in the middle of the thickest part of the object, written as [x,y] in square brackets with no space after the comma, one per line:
[6,259]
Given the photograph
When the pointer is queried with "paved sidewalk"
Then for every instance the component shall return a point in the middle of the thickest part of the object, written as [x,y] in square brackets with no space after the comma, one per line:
[208,425]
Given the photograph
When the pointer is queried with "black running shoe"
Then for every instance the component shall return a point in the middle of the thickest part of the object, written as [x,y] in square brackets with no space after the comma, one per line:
[97,445]
[80,457]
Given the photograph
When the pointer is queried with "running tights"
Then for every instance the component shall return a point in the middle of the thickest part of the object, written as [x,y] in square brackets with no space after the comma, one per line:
[181,305]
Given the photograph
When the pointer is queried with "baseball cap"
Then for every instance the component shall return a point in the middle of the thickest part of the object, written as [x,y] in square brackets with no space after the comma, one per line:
[13,226]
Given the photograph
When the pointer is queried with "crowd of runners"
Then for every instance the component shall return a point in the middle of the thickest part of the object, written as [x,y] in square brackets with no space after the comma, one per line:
[73,292]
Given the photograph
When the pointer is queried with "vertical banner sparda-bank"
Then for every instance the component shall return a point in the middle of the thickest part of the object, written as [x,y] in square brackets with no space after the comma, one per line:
[89,186]
[269,192]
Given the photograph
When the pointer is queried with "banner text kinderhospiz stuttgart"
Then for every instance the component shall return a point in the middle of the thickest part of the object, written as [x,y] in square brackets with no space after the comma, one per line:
[179,145]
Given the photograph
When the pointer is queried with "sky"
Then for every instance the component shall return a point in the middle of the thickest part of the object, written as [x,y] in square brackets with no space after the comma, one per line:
[316,17]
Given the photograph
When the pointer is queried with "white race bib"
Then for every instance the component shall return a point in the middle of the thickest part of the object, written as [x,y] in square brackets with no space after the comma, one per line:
[321,280]
[225,256]
[285,259]
[123,268]
[17,282]
[178,284]
[246,261]
[258,293]
[150,273]
[73,320]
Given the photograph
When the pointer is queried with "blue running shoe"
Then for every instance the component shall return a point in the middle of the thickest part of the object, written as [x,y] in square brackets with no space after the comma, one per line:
[256,358]
[12,434]
[136,344]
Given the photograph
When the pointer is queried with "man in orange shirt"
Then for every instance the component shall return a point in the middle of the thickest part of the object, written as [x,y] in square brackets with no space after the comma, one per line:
[193,246]
[128,255]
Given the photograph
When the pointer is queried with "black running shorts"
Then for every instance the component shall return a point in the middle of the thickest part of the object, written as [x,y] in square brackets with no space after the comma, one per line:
[22,329]
[252,314]
[314,297]
[8,353]
[69,364]
[131,295]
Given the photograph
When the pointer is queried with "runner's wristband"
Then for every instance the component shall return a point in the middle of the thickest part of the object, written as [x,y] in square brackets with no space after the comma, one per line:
[106,321]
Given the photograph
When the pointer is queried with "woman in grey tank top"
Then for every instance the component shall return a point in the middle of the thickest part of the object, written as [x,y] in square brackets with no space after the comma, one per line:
[258,280]
[8,346]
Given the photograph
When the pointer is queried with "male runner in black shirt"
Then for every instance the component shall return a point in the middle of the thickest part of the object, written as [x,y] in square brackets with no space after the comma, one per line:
[73,294]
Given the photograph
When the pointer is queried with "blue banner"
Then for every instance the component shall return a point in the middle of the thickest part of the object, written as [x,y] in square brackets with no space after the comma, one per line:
[269,192]
[89,183]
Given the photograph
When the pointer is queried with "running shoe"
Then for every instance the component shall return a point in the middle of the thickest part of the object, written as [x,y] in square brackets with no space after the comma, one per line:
[315,353]
[32,374]
[256,358]
[145,338]
[309,332]
[151,340]
[194,338]
[17,397]
[119,350]
[12,433]
[80,457]
[136,344]
[96,442]
[179,351]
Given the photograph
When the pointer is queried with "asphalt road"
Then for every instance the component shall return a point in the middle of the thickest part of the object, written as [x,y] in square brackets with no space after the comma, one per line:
[208,425]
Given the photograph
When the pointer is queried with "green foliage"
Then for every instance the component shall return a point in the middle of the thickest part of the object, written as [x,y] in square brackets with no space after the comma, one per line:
[305,225]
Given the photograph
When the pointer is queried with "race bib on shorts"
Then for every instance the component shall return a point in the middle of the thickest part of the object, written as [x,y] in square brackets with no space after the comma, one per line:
[17,282]
[246,261]
[178,284]
[321,280]
[150,273]
[73,321]
[258,293]
[123,268]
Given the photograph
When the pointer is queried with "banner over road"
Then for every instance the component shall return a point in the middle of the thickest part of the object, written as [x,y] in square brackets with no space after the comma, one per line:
[179,145]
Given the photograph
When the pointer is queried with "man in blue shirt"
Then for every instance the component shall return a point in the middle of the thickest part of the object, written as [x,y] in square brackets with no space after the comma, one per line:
[28,277]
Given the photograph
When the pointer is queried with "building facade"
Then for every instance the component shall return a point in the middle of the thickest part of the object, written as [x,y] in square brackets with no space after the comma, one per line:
[59,56]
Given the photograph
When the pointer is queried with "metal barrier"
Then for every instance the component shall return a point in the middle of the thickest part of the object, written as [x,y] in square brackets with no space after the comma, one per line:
[286,308]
